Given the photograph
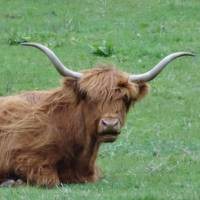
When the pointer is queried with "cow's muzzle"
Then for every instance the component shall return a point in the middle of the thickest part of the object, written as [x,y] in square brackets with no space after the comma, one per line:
[109,129]
[109,124]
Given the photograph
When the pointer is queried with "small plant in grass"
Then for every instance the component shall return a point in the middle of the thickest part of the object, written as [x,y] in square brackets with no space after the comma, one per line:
[105,49]
[17,38]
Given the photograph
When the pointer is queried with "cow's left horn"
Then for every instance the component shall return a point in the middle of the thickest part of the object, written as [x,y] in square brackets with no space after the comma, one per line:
[150,75]
[64,71]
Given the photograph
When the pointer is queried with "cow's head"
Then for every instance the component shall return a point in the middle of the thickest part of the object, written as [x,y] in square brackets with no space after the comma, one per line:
[107,93]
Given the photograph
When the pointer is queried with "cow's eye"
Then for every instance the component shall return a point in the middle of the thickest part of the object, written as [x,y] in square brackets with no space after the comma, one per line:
[82,95]
[126,99]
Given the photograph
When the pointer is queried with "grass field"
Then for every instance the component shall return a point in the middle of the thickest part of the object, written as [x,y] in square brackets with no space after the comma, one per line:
[158,153]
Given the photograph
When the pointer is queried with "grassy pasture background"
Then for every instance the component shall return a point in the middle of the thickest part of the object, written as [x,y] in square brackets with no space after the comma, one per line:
[158,153]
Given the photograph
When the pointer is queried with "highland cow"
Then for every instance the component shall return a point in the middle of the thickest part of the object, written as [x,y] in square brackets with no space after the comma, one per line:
[52,137]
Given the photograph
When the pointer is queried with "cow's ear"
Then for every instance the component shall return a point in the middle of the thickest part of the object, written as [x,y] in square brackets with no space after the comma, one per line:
[71,85]
[143,90]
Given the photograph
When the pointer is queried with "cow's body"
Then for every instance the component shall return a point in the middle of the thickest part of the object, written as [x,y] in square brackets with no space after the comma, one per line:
[53,137]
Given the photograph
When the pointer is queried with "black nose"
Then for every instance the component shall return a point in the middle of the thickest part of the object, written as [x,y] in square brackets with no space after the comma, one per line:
[110,123]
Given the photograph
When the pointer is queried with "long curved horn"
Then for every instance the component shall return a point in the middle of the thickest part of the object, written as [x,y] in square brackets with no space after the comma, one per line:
[55,60]
[151,74]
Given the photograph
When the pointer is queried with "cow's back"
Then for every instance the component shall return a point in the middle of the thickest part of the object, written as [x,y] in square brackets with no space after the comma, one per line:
[34,97]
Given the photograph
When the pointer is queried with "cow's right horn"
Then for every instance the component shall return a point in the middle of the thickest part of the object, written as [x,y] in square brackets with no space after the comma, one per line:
[64,71]
[151,74]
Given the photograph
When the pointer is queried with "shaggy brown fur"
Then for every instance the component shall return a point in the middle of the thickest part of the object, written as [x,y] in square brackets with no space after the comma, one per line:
[51,137]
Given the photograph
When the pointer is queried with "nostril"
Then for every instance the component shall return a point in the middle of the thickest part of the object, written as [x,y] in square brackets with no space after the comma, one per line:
[104,123]
[115,122]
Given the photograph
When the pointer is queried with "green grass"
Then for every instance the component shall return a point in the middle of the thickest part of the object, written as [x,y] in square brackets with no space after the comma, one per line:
[158,153]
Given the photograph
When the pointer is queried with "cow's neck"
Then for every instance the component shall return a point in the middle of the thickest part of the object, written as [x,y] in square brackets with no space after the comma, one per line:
[70,123]
[89,154]
[76,131]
